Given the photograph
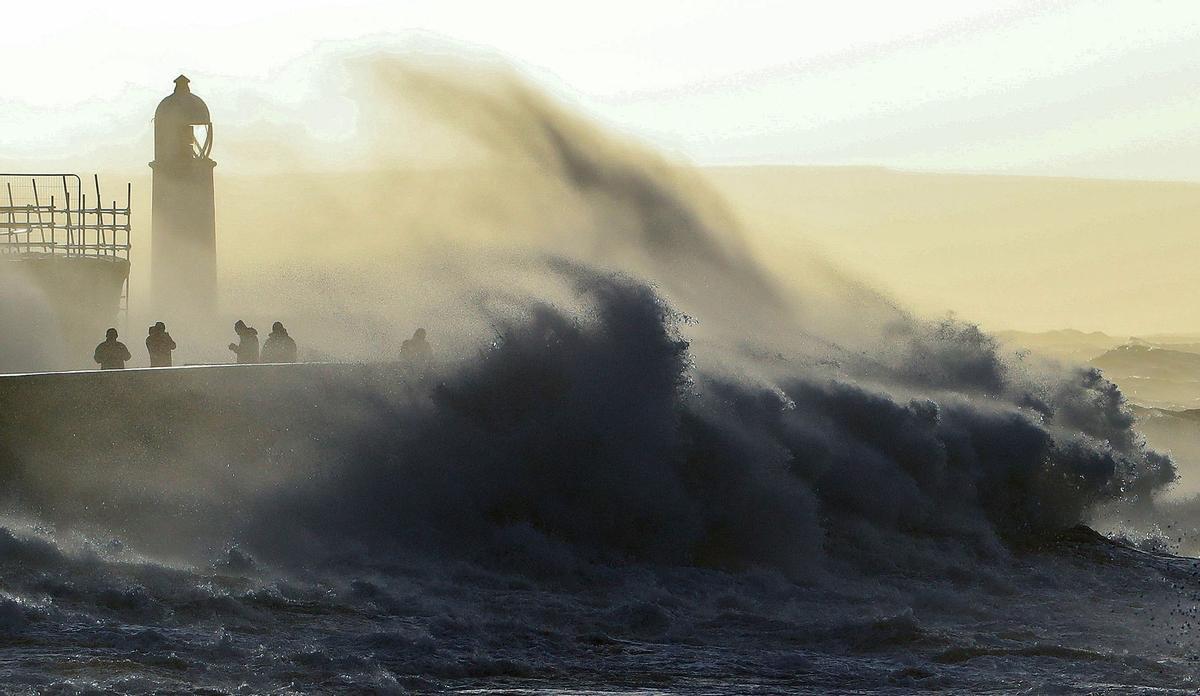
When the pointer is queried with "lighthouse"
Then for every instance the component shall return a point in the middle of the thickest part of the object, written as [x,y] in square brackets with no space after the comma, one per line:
[183,219]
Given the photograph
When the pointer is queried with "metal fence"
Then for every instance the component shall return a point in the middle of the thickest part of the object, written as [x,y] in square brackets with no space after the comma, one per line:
[51,214]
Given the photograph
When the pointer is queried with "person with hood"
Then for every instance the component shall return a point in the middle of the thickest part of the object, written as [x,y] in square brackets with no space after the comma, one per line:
[111,354]
[160,344]
[416,351]
[246,348]
[279,346]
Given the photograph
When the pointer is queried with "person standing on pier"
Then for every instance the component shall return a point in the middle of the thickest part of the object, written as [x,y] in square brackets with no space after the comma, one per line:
[247,346]
[416,351]
[111,354]
[160,344]
[279,346]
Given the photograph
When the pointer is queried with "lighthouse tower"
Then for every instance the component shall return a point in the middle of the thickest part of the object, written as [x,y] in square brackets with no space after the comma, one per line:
[184,234]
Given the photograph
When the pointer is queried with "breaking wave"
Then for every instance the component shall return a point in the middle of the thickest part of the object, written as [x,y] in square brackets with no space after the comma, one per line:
[593,436]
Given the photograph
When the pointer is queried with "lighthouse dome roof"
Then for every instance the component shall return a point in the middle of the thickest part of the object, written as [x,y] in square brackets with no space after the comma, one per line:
[182,106]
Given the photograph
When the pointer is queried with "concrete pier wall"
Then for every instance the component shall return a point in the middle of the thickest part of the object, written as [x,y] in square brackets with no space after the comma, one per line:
[92,445]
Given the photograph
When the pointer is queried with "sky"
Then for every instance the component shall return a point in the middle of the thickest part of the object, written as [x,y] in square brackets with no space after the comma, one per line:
[1099,88]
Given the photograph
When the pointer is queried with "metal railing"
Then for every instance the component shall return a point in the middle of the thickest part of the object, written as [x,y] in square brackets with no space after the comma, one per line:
[50,214]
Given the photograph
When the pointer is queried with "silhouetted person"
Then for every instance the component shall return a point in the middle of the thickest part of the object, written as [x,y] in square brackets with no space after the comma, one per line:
[160,344]
[247,345]
[416,350]
[279,346]
[112,354]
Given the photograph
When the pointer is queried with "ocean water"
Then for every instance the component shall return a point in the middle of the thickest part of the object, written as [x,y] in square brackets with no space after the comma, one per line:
[1080,616]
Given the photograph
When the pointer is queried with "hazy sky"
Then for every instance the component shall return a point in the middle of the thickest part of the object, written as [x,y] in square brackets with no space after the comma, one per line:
[1083,88]
[1096,88]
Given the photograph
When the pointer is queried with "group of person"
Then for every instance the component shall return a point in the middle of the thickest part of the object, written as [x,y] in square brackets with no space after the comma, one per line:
[278,348]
